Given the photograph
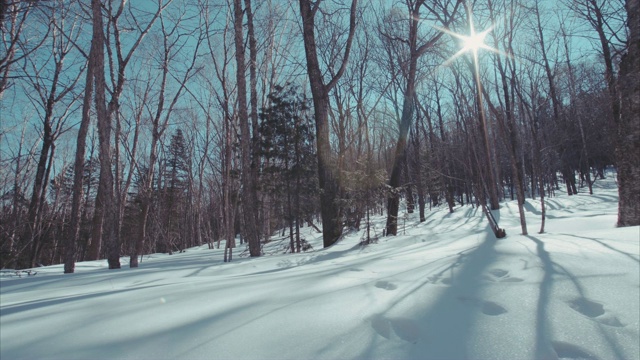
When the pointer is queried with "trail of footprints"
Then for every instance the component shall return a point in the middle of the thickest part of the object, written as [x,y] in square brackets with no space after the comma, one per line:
[494,275]
[408,330]
[592,310]
[403,328]
[595,311]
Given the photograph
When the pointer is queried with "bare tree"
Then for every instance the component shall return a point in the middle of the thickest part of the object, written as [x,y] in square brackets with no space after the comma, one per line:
[221,91]
[249,174]
[105,201]
[567,171]
[606,19]
[171,46]
[16,41]
[52,93]
[78,167]
[328,176]
[506,116]
[15,184]
[118,65]
[444,12]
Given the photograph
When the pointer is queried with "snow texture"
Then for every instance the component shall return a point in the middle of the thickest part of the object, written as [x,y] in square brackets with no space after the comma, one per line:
[444,288]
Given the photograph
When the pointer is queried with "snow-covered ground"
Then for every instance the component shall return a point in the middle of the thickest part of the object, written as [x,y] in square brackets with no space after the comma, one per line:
[445,288]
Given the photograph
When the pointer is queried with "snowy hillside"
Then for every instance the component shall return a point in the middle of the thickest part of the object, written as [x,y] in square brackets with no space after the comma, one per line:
[445,288]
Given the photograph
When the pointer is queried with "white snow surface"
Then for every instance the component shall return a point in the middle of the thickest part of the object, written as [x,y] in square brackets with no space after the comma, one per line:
[445,288]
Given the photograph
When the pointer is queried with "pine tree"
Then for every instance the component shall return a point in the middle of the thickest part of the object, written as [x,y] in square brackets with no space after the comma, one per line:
[175,187]
[287,144]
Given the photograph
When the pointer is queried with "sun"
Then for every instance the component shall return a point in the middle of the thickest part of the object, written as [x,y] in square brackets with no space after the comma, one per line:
[474,41]
[471,42]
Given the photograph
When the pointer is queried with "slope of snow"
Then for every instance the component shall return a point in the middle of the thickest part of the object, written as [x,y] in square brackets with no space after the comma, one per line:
[445,288]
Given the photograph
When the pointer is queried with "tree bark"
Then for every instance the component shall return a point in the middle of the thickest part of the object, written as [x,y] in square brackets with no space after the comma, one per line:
[254,246]
[628,144]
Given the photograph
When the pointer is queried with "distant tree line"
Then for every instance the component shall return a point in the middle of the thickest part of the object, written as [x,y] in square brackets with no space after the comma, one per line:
[130,128]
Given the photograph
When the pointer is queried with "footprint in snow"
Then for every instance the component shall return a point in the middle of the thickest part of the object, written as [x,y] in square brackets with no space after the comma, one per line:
[498,272]
[403,328]
[487,307]
[570,351]
[501,275]
[594,310]
[437,280]
[386,285]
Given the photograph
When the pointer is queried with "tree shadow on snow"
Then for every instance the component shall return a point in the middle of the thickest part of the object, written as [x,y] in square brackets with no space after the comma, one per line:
[444,330]
[546,346]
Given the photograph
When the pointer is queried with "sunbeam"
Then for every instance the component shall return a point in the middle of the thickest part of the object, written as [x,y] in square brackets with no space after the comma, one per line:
[471,42]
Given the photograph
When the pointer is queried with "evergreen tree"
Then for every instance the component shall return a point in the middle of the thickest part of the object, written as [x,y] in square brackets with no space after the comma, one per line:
[287,144]
[176,174]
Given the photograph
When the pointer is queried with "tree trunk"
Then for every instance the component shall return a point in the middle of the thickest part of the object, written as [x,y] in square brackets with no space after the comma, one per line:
[38,195]
[254,244]
[507,125]
[393,201]
[628,144]
[408,109]
[249,198]
[73,234]
[327,171]
[488,167]
[105,184]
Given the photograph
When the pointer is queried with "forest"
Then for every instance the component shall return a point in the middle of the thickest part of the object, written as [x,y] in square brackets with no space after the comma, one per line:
[130,128]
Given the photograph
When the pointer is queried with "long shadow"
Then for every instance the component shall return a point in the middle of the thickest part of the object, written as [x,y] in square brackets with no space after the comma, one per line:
[530,208]
[543,328]
[615,347]
[451,341]
[158,343]
[605,245]
[182,262]
[454,309]
[42,303]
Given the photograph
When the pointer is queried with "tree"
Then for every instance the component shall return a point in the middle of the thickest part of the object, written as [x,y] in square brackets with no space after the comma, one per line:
[52,92]
[105,199]
[118,60]
[287,145]
[506,116]
[15,44]
[628,144]
[249,179]
[328,177]
[603,17]
[176,182]
[174,43]
[413,51]
[74,228]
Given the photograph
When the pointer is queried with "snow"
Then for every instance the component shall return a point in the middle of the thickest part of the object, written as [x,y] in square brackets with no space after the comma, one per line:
[445,288]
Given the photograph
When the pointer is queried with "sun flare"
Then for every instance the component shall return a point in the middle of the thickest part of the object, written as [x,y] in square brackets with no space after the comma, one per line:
[471,42]
[474,42]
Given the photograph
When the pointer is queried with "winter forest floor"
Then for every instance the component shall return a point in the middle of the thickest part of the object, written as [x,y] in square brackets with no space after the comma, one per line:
[444,288]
